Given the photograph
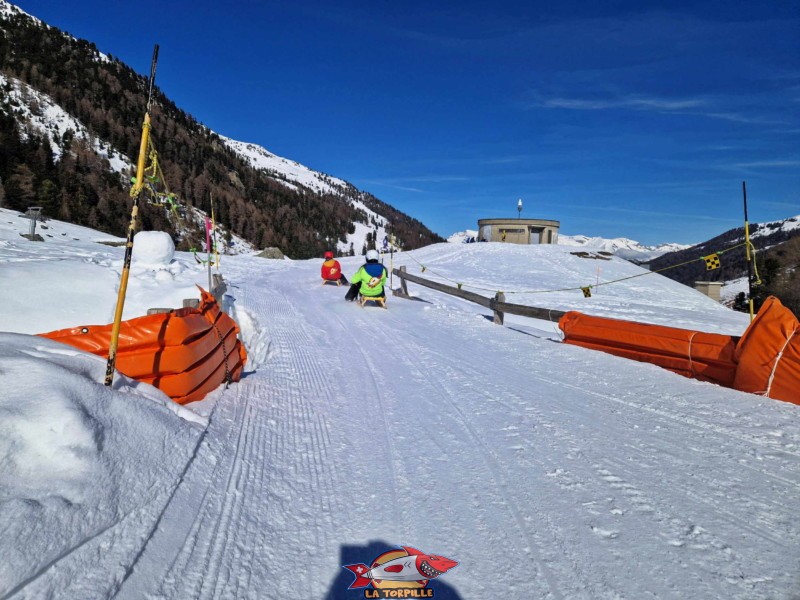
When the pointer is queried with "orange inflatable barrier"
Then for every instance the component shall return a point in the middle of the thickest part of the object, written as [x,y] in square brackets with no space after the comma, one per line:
[186,353]
[703,356]
[769,354]
[765,360]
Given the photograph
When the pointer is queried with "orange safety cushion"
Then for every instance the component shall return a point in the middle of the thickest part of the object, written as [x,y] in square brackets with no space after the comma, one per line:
[186,353]
[769,354]
[703,356]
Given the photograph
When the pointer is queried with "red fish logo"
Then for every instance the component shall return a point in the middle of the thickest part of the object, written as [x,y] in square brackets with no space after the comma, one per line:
[406,568]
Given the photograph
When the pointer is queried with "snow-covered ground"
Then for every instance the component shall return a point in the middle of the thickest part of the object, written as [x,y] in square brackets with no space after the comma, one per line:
[787,225]
[733,288]
[545,470]
[622,247]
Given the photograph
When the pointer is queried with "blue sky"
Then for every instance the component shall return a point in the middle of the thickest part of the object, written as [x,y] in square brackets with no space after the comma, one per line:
[617,118]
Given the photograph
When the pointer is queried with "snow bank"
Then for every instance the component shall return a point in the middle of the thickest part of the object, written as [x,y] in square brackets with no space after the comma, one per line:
[78,459]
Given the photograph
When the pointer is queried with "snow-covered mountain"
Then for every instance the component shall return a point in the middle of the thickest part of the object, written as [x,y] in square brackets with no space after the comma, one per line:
[41,115]
[622,247]
[44,117]
[294,175]
[790,226]
[317,212]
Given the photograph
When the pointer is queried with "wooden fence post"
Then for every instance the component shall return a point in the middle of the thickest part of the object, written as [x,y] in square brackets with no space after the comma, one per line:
[403,286]
[219,288]
[498,316]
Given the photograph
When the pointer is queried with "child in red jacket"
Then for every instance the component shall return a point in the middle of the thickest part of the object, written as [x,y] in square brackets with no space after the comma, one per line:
[332,270]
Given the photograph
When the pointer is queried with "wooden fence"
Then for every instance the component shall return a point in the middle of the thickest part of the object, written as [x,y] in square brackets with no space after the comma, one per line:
[497,304]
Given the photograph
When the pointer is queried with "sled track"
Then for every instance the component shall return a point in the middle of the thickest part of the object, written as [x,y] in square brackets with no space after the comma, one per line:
[494,464]
[381,408]
[265,450]
[676,530]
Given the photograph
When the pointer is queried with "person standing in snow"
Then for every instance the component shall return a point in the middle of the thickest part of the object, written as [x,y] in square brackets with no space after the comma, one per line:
[332,270]
[369,279]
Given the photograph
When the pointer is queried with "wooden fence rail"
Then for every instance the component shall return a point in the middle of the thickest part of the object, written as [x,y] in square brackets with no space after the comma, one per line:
[496,304]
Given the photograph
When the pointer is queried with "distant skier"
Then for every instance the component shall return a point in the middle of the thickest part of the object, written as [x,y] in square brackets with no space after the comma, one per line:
[369,279]
[332,270]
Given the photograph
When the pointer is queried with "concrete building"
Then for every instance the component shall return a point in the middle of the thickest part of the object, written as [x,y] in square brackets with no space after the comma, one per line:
[518,231]
[712,289]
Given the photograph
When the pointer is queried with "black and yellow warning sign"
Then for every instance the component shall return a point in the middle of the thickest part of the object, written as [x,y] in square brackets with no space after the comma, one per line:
[587,292]
[712,262]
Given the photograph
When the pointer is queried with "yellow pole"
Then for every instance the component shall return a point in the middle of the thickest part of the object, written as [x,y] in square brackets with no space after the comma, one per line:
[126,263]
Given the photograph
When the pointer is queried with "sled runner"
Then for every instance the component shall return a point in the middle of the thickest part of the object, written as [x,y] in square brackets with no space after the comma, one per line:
[381,300]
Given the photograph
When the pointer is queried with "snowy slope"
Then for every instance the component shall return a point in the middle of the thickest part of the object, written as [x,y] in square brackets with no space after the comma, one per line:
[791,224]
[42,115]
[622,247]
[545,470]
[11,10]
[292,174]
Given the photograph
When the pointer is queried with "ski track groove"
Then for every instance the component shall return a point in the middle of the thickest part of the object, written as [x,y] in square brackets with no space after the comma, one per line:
[647,505]
[231,506]
[680,524]
[380,405]
[297,444]
[721,432]
[499,474]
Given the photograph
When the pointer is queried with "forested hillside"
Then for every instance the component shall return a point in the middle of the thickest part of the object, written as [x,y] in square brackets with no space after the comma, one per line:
[77,184]
[777,261]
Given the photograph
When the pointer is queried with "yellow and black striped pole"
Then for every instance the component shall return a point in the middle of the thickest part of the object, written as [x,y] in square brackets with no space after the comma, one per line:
[748,254]
[126,263]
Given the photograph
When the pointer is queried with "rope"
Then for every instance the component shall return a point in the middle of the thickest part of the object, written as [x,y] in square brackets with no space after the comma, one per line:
[228,378]
[152,175]
[755,265]
[778,360]
[691,364]
[581,288]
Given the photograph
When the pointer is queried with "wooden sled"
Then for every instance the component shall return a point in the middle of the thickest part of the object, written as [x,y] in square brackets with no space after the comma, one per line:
[336,282]
[376,300]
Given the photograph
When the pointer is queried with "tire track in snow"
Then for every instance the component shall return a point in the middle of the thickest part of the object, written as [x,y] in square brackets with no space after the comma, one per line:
[297,487]
[197,541]
[231,506]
